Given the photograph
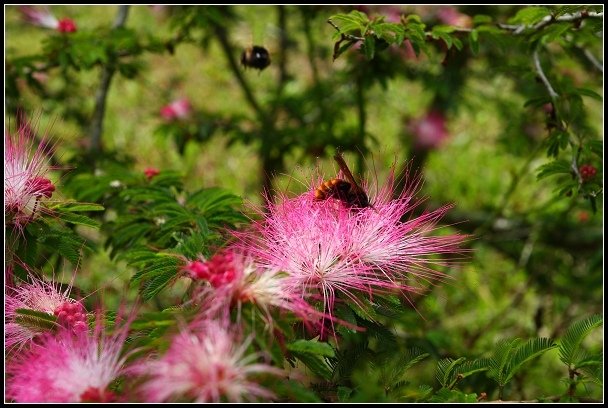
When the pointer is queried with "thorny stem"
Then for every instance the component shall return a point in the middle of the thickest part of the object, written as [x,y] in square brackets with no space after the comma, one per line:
[101,95]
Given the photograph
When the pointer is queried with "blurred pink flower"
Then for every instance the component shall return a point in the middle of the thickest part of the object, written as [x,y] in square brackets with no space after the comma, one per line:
[41,296]
[66,25]
[178,109]
[68,367]
[451,16]
[235,278]
[43,17]
[25,176]
[207,363]
[328,250]
[430,130]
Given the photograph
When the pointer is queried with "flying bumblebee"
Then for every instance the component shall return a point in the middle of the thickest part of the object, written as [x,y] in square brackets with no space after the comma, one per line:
[255,57]
[347,191]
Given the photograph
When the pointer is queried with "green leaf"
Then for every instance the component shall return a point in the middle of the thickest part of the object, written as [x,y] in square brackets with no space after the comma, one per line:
[474,42]
[354,21]
[590,93]
[530,15]
[573,337]
[445,374]
[500,359]
[481,19]
[558,166]
[295,391]
[551,32]
[526,352]
[152,287]
[316,363]
[35,320]
[311,347]
[344,393]
[471,367]
[77,207]
[78,219]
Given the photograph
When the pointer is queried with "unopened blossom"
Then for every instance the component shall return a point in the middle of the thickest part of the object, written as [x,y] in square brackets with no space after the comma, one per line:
[430,130]
[151,172]
[178,109]
[68,367]
[234,278]
[41,296]
[26,181]
[332,250]
[42,17]
[205,363]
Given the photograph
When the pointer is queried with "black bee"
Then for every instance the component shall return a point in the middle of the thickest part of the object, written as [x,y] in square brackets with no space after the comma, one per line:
[255,57]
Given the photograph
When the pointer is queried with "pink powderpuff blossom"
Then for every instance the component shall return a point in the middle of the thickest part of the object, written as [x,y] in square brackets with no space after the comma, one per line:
[43,17]
[450,15]
[26,181]
[178,109]
[205,363]
[235,279]
[330,250]
[68,367]
[430,130]
[40,296]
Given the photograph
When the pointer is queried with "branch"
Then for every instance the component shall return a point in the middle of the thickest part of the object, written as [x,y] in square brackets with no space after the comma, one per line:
[596,63]
[282,58]
[234,67]
[578,16]
[101,95]
[541,74]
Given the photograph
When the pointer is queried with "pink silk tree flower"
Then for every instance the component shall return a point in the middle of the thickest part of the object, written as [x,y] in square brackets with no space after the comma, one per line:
[40,296]
[25,176]
[235,279]
[42,17]
[205,363]
[330,249]
[450,15]
[68,367]
[178,109]
[430,130]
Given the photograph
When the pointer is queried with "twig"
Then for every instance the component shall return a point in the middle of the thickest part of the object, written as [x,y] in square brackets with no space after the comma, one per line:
[596,63]
[101,95]
[578,16]
[574,164]
[541,74]
[282,58]
[348,36]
